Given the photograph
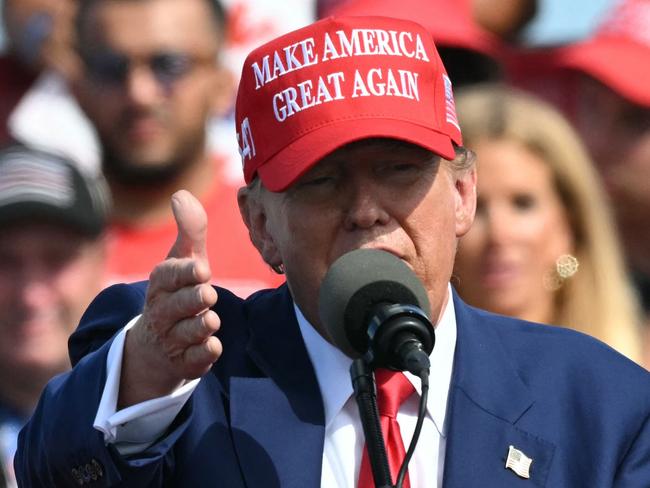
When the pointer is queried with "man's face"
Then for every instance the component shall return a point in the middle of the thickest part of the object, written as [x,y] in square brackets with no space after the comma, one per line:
[617,134]
[397,198]
[48,276]
[150,82]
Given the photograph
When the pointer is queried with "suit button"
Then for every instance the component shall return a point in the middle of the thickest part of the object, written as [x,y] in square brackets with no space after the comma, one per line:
[78,477]
[85,472]
[98,469]
[92,473]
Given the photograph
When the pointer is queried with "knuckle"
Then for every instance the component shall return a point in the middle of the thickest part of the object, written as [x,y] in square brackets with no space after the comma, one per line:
[153,298]
[190,331]
[194,363]
[184,302]
[156,272]
[172,274]
[211,297]
[178,278]
[211,320]
[207,295]
[186,273]
[162,275]
[214,347]
[201,271]
[200,357]
[159,310]
[194,330]
[202,328]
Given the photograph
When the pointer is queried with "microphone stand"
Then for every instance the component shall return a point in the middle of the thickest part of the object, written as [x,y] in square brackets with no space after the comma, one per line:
[363,383]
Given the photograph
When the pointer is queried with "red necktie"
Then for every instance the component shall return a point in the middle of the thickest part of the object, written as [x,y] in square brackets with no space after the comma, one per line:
[392,389]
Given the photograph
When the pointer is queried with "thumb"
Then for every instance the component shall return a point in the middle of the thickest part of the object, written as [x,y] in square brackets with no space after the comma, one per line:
[192,224]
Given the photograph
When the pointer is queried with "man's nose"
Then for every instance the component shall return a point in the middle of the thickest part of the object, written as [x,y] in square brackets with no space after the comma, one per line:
[34,288]
[365,206]
[142,87]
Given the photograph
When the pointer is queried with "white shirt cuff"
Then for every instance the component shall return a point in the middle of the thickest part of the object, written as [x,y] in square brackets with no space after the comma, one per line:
[135,428]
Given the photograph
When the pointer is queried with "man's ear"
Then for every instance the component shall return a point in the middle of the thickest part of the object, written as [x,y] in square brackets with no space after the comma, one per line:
[254,215]
[465,182]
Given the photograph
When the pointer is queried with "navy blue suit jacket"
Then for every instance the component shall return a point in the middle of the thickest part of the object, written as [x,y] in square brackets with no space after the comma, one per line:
[577,408]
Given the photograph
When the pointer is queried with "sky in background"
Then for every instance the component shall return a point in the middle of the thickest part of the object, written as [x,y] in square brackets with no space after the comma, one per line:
[560,21]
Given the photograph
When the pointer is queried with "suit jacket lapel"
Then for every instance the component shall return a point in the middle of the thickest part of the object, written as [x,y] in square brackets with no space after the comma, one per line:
[287,448]
[488,399]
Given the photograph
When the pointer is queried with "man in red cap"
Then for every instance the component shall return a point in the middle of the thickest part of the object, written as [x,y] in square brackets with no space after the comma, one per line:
[349,141]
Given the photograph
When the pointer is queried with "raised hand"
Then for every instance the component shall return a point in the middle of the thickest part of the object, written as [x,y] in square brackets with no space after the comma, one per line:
[173,340]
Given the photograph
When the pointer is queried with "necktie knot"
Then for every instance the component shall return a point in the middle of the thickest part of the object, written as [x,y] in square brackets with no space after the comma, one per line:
[393,388]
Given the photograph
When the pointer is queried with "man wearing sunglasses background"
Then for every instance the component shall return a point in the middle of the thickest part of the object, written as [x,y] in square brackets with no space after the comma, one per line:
[150,83]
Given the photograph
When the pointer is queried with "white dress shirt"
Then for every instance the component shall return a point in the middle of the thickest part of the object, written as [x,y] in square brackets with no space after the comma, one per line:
[133,429]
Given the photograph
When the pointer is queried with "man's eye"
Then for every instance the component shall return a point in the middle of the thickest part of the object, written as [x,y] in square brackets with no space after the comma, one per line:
[523,202]
[320,181]
[107,67]
[403,167]
[408,166]
[171,65]
[404,172]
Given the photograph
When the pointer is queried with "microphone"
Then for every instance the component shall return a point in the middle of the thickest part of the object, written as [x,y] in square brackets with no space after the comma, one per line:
[373,306]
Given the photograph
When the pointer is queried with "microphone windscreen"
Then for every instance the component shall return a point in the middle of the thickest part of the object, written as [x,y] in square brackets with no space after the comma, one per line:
[357,282]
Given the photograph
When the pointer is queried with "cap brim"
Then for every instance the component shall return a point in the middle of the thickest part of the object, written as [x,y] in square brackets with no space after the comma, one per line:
[622,65]
[23,212]
[285,167]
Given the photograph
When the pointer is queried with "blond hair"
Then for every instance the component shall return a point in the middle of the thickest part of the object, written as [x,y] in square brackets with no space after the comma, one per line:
[598,299]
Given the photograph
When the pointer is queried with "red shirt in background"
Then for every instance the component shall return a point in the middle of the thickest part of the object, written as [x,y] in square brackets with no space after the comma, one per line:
[235,263]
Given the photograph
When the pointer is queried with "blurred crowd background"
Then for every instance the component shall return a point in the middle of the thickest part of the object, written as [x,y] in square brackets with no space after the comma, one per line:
[109,106]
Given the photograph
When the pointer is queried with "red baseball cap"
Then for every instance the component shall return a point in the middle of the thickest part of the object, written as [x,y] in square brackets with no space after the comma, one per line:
[618,55]
[450,22]
[336,81]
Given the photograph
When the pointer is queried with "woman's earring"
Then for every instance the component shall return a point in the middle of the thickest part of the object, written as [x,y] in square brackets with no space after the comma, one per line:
[278,268]
[565,267]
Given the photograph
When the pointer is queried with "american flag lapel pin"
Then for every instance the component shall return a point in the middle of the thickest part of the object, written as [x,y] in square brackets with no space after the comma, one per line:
[518,462]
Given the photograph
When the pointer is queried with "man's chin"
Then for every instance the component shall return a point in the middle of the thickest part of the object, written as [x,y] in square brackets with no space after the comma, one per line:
[142,169]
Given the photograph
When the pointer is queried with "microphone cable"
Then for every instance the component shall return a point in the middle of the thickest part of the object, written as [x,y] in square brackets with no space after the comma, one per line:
[422,410]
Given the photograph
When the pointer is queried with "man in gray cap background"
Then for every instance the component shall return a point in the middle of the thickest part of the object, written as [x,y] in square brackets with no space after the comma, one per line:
[52,254]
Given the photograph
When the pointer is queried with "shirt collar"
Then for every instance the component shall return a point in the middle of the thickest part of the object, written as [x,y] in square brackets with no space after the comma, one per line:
[332,367]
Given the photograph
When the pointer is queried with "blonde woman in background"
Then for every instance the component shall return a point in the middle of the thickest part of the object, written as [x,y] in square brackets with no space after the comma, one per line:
[543,246]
